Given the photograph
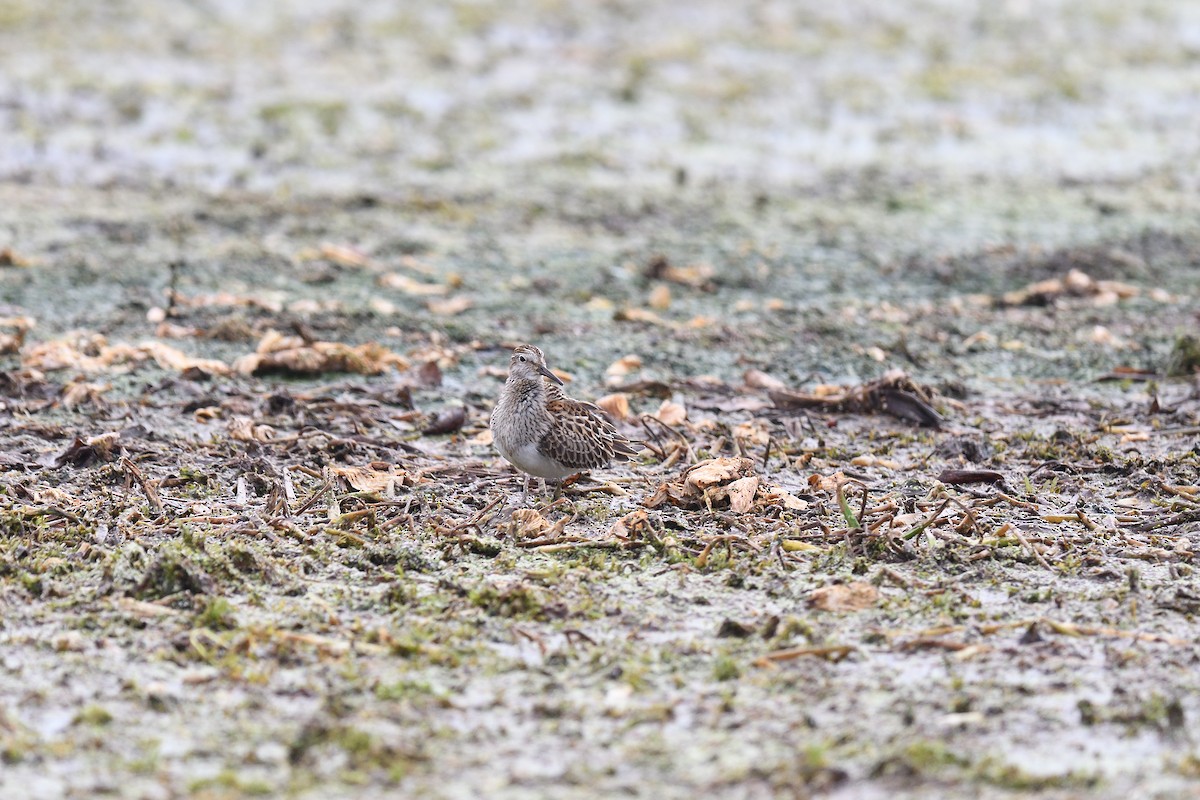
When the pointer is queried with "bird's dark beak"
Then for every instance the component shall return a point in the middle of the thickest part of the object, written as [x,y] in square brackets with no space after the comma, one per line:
[546,371]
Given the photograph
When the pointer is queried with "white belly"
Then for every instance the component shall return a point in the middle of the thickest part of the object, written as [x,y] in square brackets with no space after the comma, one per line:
[527,459]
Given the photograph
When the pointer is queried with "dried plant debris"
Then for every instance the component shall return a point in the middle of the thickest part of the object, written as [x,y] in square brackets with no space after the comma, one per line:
[895,393]
[449,420]
[965,476]
[383,481]
[92,353]
[616,406]
[696,276]
[11,258]
[246,429]
[709,482]
[85,452]
[341,254]
[854,596]
[279,353]
[1075,284]
[12,333]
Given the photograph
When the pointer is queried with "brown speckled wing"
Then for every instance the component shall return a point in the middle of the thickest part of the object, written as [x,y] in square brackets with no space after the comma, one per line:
[582,437]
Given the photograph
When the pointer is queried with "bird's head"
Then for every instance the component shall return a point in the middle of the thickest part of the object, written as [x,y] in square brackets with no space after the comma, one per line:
[528,362]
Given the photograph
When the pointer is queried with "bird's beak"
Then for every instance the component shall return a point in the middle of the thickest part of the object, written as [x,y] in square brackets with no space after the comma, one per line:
[546,371]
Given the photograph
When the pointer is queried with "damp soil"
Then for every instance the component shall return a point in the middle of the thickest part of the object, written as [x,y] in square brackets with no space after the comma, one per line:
[225,578]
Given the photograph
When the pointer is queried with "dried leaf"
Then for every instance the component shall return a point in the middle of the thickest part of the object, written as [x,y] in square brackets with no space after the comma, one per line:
[450,306]
[962,476]
[623,366]
[757,379]
[10,258]
[84,452]
[633,526]
[207,413]
[426,376]
[244,429]
[1075,283]
[448,421]
[660,297]
[754,432]
[697,276]
[415,288]
[639,315]
[526,523]
[307,307]
[381,306]
[345,255]
[741,494]
[80,393]
[853,596]
[368,479]
[707,483]
[671,413]
[821,483]
[169,357]
[91,353]
[873,461]
[778,497]
[732,629]
[908,406]
[894,393]
[615,405]
[169,330]
[717,471]
[10,343]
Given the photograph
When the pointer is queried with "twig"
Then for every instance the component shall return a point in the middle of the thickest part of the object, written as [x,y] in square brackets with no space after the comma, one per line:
[1020,537]
[657,446]
[834,652]
[574,633]
[312,500]
[560,545]
[1191,515]
[1018,503]
[147,487]
[688,445]
[341,534]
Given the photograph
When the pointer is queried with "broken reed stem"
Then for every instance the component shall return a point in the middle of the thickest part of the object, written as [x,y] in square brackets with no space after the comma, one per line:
[646,418]
[831,652]
[1016,531]
[927,521]
[148,488]
[314,497]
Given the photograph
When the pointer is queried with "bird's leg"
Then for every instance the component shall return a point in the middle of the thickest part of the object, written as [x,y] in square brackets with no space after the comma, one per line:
[525,490]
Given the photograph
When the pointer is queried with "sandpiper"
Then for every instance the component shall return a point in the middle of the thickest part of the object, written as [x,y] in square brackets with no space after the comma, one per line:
[544,433]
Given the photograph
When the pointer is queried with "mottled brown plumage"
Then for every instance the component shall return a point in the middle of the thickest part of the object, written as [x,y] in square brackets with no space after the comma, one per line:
[582,436]
[544,433]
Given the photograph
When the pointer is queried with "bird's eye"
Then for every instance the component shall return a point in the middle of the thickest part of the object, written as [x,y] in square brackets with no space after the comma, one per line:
[521,357]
